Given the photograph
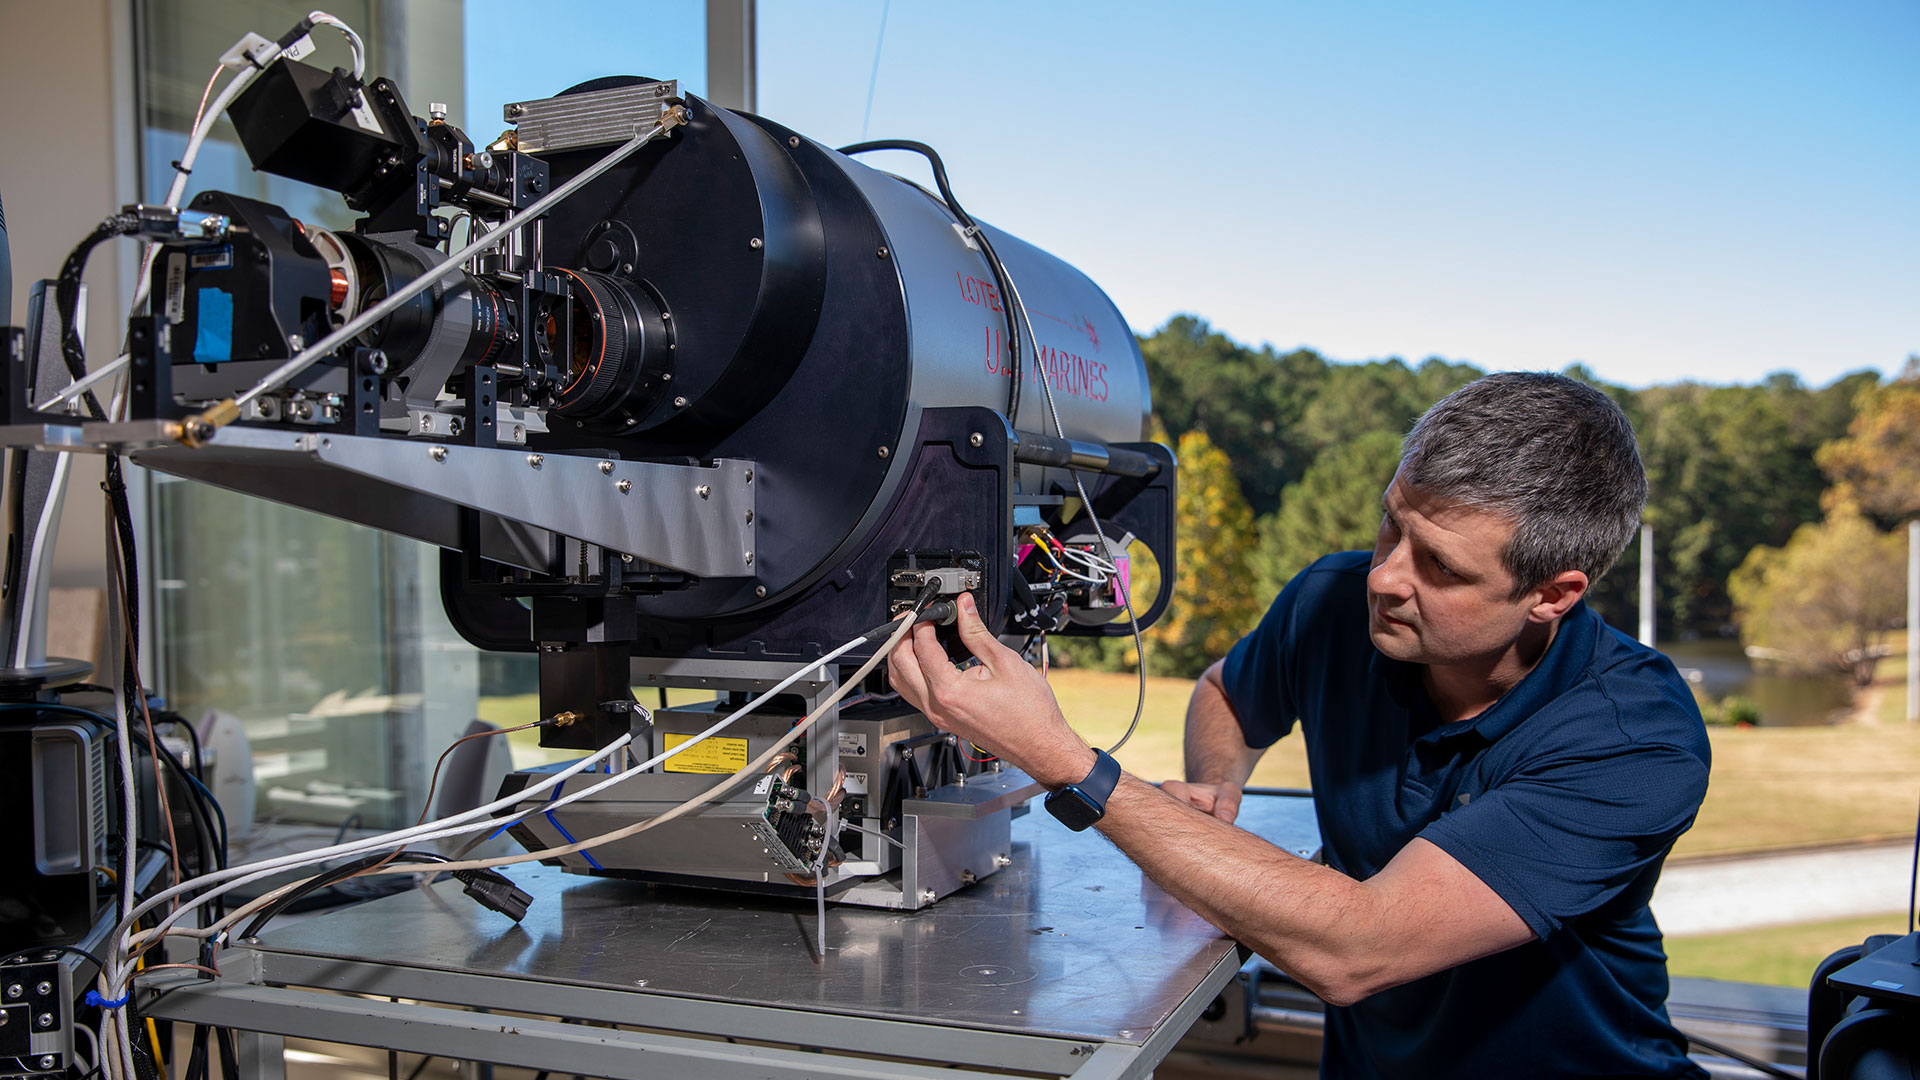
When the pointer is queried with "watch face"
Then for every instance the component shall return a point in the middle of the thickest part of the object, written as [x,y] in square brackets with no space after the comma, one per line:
[1074,809]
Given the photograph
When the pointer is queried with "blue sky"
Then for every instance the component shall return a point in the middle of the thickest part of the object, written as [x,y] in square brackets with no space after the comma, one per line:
[1711,190]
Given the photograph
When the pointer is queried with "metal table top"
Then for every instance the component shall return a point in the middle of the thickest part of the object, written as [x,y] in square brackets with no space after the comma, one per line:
[1071,940]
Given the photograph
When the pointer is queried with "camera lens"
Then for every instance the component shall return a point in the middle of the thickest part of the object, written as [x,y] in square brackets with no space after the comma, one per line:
[612,351]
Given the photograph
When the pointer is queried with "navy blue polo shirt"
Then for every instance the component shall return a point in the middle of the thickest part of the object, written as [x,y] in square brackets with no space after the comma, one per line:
[1563,797]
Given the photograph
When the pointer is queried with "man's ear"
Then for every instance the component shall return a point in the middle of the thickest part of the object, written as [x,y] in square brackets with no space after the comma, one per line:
[1557,596]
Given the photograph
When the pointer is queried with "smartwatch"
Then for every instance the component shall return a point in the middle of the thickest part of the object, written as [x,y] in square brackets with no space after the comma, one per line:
[1080,805]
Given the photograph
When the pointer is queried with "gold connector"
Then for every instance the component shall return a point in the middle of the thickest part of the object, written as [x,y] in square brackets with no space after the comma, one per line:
[197,429]
[564,719]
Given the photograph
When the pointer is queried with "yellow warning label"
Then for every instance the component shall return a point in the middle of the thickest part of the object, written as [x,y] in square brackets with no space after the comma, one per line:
[711,756]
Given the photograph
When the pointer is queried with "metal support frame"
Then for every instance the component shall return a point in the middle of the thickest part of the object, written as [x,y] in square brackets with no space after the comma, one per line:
[1025,975]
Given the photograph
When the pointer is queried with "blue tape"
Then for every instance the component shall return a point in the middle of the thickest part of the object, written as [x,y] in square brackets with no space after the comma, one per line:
[569,838]
[93,998]
[213,335]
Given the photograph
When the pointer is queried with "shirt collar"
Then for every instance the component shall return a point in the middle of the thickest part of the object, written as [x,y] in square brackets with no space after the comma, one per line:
[1565,663]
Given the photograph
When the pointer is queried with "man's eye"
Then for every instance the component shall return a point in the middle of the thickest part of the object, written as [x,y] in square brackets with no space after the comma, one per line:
[1444,568]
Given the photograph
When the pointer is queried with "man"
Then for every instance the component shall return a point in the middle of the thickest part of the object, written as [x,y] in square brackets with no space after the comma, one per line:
[1498,775]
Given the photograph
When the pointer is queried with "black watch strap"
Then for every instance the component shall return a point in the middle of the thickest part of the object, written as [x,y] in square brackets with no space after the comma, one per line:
[1079,806]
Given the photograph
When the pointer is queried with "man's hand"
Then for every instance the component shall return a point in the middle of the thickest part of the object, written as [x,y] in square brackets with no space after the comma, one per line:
[1221,800]
[1002,705]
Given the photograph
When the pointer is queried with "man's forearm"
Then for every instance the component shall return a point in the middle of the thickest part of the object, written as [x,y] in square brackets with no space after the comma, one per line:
[1311,920]
[1216,748]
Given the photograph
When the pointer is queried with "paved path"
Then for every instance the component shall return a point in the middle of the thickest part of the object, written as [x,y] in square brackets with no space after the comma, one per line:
[1706,896]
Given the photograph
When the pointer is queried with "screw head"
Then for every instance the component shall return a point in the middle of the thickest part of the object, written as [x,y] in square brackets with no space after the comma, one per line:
[606,468]
[749,517]
[759,590]
[679,403]
[926,896]
[624,486]
[883,452]
[516,109]
[45,1020]
[755,243]
[749,476]
[46,1061]
[14,990]
[749,558]
[534,461]
[43,989]
[882,252]
[703,491]
[626,558]
[5,1019]
[793,140]
[976,440]
[438,453]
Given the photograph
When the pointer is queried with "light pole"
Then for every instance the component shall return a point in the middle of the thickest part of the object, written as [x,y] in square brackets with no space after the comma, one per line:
[1646,586]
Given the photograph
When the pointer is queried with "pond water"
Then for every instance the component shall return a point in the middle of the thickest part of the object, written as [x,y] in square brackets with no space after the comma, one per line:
[1720,667]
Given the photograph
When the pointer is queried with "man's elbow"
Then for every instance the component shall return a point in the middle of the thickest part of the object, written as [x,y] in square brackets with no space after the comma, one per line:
[1340,980]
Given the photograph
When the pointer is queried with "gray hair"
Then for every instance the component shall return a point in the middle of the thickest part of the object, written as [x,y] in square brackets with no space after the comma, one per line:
[1554,456]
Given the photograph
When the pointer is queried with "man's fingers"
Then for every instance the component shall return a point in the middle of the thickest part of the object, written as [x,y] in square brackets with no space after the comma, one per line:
[936,671]
[1226,804]
[903,670]
[976,637]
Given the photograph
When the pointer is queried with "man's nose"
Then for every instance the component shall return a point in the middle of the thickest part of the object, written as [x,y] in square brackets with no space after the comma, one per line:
[1390,575]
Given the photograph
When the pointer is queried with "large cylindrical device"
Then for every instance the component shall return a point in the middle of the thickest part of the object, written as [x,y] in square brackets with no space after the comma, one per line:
[752,294]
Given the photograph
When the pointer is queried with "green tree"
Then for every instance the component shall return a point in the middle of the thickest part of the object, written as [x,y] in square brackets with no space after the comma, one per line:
[1213,602]
[1826,598]
[1729,468]
[1248,401]
[1876,465]
[1335,506]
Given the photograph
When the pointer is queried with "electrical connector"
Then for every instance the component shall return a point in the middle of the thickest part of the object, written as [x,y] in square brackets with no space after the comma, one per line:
[497,891]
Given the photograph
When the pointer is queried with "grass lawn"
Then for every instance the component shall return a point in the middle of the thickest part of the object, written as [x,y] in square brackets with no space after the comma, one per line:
[1777,956]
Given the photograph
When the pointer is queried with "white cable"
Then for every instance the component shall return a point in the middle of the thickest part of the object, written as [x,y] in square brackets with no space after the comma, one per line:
[123,931]
[175,191]
[1126,593]
[697,801]
[93,1060]
[308,356]
[397,840]
[321,18]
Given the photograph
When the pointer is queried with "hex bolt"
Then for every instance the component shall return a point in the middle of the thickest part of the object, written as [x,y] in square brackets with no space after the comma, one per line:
[976,440]
[755,243]
[606,468]
[534,461]
[625,486]
[703,491]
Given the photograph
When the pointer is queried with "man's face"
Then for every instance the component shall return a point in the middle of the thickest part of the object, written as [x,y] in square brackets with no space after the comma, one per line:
[1438,592]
